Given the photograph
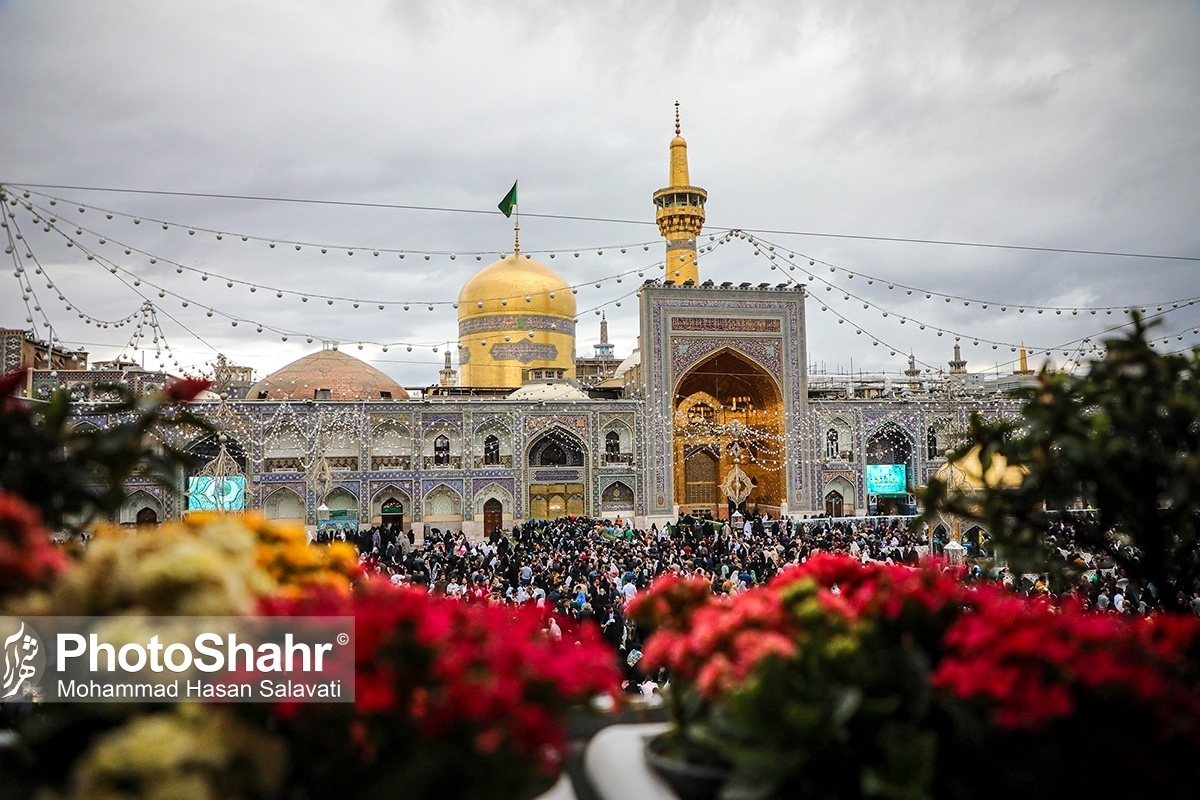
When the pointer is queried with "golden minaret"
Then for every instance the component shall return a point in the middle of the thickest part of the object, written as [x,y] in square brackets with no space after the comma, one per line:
[679,212]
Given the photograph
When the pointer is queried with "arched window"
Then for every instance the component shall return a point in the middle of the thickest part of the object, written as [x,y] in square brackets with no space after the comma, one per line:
[931,443]
[831,443]
[491,450]
[441,451]
[612,446]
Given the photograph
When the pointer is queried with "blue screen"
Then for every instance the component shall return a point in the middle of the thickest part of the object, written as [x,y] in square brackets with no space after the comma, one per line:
[216,494]
[887,480]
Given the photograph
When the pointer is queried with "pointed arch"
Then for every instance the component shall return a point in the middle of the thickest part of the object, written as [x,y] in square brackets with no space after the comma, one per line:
[839,439]
[390,494]
[441,446]
[617,496]
[557,447]
[493,491]
[137,504]
[492,444]
[616,439]
[442,507]
[728,396]
[285,503]
[891,444]
[391,445]
[339,498]
[842,492]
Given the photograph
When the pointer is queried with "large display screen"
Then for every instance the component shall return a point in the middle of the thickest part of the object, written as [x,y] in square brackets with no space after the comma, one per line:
[206,493]
[886,480]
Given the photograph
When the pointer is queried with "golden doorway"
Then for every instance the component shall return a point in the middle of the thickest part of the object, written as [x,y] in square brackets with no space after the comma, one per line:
[728,415]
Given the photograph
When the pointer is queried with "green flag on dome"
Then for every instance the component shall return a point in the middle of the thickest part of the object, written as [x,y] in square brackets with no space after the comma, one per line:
[510,201]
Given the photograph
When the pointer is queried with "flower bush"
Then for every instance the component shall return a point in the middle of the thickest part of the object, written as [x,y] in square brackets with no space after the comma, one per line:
[28,558]
[206,564]
[449,693]
[451,697]
[840,679]
[1048,686]
[190,751]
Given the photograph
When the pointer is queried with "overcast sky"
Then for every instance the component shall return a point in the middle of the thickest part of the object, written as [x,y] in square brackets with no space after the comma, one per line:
[1050,125]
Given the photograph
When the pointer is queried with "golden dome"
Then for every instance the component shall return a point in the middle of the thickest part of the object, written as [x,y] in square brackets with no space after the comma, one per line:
[513,316]
[343,375]
[516,284]
[968,473]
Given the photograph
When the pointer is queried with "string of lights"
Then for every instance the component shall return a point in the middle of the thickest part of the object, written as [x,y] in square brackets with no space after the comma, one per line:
[133,280]
[778,257]
[766,246]
[578,218]
[323,247]
[51,224]
[787,256]
[29,292]
[1161,308]
[760,246]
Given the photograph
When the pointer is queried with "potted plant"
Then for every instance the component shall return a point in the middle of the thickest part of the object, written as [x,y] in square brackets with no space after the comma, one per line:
[452,698]
[844,680]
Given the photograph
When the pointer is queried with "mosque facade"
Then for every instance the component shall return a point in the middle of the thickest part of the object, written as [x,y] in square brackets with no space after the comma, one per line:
[713,413]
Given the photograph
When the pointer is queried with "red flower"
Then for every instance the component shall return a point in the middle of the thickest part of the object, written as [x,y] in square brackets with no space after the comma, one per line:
[28,558]
[670,601]
[187,389]
[10,384]
[1031,664]
[438,667]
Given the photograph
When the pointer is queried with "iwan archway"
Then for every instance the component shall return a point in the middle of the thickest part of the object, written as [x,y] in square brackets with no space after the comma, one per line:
[729,432]
[558,475]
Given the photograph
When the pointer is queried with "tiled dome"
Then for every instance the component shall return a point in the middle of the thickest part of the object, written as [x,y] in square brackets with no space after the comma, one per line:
[344,376]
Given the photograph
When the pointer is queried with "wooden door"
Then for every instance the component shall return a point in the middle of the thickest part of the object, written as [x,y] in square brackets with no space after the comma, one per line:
[493,516]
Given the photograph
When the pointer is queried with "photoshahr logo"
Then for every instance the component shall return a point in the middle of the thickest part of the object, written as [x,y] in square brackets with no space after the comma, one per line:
[24,659]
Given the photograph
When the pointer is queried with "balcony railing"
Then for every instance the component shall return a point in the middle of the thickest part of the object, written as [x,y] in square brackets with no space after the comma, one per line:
[451,462]
[391,462]
[504,462]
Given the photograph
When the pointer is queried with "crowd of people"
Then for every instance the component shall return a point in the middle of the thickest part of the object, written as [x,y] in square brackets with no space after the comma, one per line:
[584,571]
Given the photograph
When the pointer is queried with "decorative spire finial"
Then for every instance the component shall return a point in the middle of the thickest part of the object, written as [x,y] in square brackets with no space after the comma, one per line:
[517,238]
[676,117]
